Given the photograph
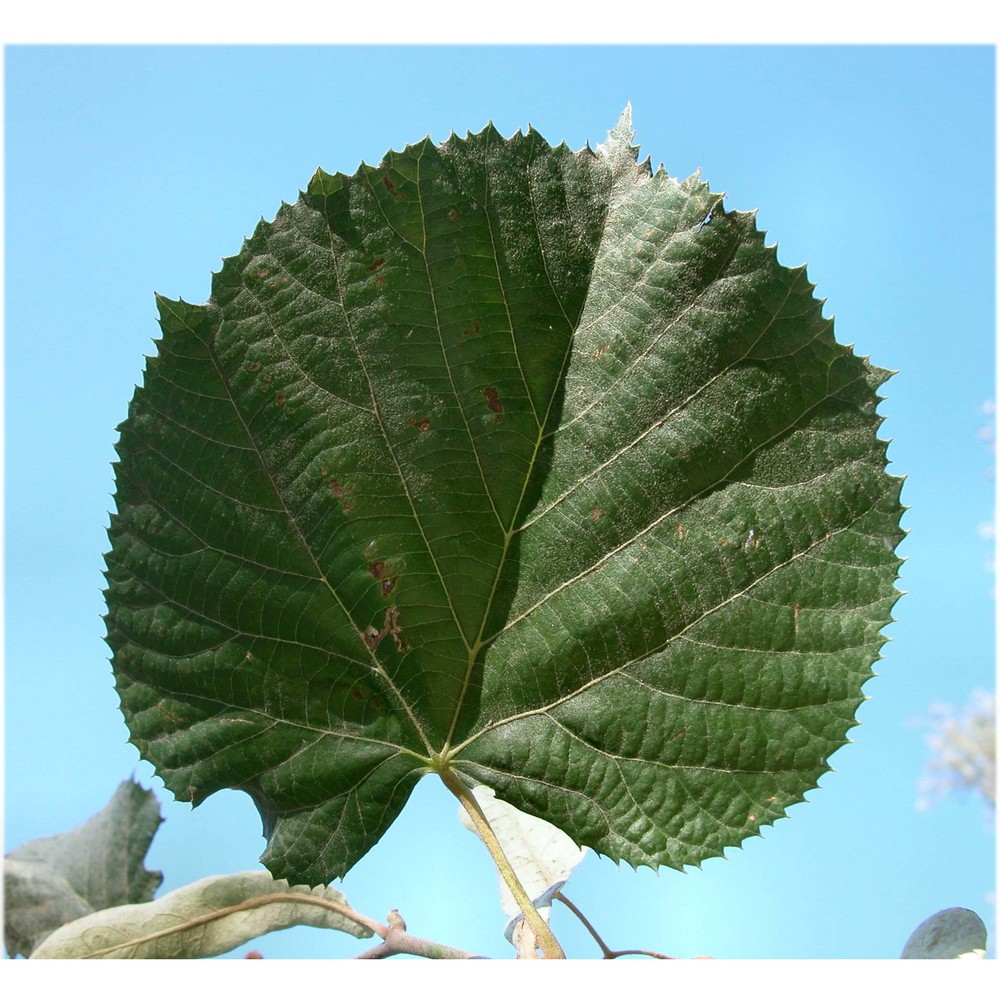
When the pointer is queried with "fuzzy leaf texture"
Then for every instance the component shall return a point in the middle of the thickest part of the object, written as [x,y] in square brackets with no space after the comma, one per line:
[54,880]
[203,919]
[955,933]
[527,463]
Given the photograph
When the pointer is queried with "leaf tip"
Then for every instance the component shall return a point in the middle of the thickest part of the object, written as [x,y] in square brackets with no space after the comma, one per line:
[619,141]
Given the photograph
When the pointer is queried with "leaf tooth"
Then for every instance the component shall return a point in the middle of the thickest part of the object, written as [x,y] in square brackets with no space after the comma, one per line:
[488,132]
[532,133]
[410,149]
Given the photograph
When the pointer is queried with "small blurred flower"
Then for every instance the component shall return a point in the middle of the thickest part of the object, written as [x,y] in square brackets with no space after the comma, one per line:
[964,748]
[987,432]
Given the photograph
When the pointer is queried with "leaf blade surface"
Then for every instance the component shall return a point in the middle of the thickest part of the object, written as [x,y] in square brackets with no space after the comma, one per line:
[206,918]
[530,463]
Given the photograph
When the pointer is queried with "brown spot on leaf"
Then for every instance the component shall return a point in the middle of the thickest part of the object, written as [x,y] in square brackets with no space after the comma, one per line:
[390,187]
[383,572]
[375,265]
[280,399]
[255,367]
[390,626]
[453,215]
[422,424]
[493,401]
[336,489]
[596,514]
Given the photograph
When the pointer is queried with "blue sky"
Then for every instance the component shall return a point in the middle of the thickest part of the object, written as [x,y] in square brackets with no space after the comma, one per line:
[131,170]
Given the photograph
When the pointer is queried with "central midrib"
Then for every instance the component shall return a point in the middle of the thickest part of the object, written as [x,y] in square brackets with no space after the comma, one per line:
[510,530]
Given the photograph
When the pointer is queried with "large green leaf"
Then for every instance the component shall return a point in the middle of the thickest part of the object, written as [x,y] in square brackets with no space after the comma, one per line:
[526,463]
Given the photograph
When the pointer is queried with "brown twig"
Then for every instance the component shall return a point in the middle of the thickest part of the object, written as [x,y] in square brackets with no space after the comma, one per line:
[396,941]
